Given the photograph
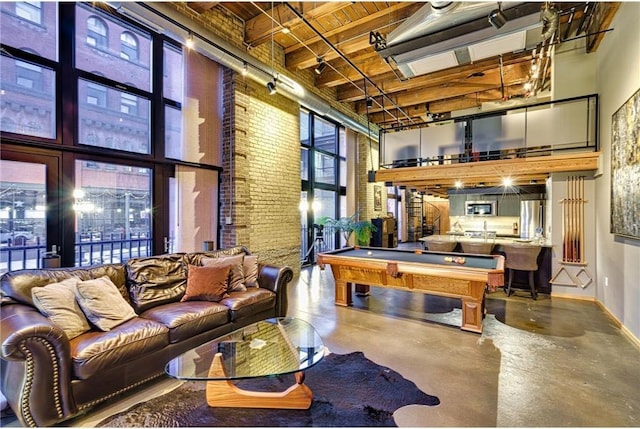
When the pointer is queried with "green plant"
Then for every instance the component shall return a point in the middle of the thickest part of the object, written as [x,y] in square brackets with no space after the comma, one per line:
[350,226]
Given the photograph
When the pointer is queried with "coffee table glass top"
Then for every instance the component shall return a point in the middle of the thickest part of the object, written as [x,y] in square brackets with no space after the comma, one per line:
[267,348]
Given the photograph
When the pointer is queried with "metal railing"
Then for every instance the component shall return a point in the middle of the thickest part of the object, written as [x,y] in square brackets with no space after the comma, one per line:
[89,250]
[321,243]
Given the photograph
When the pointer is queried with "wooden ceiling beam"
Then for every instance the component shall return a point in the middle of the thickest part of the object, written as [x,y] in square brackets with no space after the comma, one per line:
[259,29]
[513,75]
[348,39]
[390,83]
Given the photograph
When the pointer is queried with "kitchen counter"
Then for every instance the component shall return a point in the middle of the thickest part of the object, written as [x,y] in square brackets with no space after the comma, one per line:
[541,277]
[497,241]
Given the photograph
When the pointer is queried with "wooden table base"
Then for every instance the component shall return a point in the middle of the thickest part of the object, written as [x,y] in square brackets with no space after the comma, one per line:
[223,393]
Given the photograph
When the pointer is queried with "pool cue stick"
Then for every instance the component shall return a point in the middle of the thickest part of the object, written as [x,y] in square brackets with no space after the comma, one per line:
[582,201]
[578,225]
[565,227]
[572,241]
[575,218]
[578,222]
[570,234]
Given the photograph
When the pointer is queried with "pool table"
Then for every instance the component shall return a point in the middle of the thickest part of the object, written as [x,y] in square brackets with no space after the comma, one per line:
[455,275]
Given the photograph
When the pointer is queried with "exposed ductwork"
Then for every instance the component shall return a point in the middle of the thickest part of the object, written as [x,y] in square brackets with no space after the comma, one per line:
[551,20]
[164,19]
[448,34]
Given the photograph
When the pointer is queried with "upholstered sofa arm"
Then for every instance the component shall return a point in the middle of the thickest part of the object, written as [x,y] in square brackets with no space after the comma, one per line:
[276,279]
[36,366]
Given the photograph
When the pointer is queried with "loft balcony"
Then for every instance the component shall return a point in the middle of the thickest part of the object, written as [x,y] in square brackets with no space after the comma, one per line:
[525,144]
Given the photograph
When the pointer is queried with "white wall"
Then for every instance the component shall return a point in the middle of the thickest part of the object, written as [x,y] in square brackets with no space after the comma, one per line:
[574,75]
[574,72]
[618,78]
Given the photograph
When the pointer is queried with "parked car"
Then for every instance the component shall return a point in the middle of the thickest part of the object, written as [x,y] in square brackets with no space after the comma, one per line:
[17,238]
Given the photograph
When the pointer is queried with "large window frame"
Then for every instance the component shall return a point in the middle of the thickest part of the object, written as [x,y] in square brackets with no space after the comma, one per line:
[65,142]
[321,154]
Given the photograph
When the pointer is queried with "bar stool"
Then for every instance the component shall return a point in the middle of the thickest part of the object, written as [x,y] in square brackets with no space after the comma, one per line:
[483,248]
[440,245]
[522,257]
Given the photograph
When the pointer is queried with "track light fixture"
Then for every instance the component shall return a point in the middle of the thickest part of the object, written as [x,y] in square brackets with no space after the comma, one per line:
[320,67]
[369,102]
[245,69]
[271,86]
[190,43]
[497,18]
[377,41]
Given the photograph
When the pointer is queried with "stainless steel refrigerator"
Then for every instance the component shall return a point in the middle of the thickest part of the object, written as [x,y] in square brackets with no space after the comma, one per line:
[531,218]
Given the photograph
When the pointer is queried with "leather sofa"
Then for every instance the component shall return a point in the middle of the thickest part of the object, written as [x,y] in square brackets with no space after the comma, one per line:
[48,378]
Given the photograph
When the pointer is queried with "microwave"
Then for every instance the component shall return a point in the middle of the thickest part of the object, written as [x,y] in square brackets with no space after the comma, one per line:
[481,208]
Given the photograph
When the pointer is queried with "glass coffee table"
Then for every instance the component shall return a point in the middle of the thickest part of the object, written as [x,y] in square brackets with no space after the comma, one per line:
[267,348]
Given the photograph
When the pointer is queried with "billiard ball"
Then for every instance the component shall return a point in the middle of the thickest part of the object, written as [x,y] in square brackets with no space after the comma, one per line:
[369,253]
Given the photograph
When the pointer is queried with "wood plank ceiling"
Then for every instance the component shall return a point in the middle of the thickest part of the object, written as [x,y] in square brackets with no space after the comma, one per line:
[342,34]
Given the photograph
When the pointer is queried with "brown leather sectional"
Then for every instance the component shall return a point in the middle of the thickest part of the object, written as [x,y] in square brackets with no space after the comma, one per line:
[48,378]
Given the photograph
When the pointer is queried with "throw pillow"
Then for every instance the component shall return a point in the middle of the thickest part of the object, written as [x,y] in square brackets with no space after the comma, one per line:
[250,265]
[57,301]
[236,271]
[206,283]
[101,302]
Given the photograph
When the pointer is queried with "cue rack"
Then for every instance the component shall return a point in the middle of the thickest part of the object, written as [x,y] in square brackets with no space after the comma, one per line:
[573,221]
[573,235]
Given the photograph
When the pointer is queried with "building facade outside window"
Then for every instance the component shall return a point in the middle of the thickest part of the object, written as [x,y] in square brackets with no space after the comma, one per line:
[96,33]
[117,204]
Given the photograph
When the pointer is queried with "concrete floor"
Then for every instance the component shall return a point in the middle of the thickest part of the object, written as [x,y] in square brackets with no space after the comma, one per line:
[550,362]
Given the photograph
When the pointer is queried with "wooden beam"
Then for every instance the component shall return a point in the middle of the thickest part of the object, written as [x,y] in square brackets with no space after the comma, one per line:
[349,38]
[513,75]
[259,29]
[487,170]
[391,83]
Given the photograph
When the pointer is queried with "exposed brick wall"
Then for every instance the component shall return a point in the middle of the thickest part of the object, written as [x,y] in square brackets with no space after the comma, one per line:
[368,160]
[261,172]
[260,182]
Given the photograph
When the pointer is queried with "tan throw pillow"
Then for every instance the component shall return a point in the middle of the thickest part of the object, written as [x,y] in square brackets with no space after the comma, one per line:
[250,265]
[101,302]
[236,271]
[206,283]
[57,301]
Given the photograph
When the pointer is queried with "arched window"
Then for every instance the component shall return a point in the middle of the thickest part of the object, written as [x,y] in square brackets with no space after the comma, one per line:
[128,46]
[96,32]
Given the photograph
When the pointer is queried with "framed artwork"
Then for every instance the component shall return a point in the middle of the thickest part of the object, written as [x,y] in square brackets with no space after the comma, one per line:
[377,198]
[625,169]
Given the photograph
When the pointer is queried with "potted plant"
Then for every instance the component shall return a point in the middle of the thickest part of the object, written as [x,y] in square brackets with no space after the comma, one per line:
[350,227]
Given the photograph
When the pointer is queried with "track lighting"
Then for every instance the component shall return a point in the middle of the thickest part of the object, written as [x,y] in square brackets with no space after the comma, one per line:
[320,67]
[378,42]
[497,18]
[245,69]
[189,41]
[271,86]
[369,102]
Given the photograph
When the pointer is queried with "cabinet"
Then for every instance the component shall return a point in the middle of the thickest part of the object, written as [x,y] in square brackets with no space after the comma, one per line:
[456,205]
[509,205]
[386,234]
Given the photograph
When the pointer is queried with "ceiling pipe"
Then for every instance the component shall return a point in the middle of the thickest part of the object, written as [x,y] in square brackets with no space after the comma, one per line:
[348,61]
[166,20]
